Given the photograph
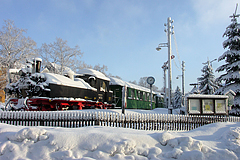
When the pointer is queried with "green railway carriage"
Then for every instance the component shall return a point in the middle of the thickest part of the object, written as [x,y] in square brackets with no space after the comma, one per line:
[137,97]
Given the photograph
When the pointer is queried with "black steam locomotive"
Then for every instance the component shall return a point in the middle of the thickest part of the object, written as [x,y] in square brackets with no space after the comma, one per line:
[48,91]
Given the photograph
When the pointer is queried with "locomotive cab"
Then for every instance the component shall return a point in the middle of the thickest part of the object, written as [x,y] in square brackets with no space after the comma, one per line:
[99,81]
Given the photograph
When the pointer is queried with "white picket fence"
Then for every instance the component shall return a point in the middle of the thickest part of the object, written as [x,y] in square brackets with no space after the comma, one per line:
[73,119]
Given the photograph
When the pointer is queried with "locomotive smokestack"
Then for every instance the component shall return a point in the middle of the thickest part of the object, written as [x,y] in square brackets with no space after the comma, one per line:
[36,66]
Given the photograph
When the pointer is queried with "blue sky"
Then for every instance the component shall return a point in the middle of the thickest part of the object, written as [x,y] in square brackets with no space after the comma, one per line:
[124,34]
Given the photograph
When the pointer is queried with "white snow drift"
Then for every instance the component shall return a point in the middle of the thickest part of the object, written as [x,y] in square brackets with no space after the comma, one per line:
[214,141]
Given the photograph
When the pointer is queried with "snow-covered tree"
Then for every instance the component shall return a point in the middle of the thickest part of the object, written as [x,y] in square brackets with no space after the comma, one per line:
[15,48]
[177,98]
[60,53]
[231,77]
[207,82]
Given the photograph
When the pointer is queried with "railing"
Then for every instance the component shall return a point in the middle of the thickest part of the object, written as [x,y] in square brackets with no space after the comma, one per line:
[73,119]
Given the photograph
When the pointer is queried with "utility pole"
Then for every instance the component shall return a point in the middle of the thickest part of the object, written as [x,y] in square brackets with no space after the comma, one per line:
[169,65]
[168,44]
[164,67]
[183,83]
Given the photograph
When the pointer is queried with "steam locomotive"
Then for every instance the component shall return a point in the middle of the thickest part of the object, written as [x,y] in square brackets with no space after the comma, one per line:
[35,91]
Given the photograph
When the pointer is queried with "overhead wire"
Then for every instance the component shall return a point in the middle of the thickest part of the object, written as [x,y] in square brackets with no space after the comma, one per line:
[175,42]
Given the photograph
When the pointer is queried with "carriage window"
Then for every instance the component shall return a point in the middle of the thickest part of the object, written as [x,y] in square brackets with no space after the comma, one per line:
[150,95]
[132,94]
[137,95]
[145,96]
[129,93]
[141,96]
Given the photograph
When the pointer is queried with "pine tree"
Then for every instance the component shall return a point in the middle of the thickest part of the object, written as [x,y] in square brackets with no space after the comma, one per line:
[232,59]
[207,82]
[177,98]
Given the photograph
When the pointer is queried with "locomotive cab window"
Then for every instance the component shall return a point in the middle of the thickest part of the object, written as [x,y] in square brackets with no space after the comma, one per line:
[92,81]
[103,87]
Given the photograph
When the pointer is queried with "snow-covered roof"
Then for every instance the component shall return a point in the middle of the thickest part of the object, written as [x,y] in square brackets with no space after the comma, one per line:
[158,94]
[206,96]
[62,80]
[92,72]
[116,81]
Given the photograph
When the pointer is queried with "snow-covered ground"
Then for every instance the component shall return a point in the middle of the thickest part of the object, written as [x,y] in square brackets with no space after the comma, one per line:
[214,141]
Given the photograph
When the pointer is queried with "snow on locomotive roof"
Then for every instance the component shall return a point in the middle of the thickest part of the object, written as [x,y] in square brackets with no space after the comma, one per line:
[116,81]
[62,80]
[93,72]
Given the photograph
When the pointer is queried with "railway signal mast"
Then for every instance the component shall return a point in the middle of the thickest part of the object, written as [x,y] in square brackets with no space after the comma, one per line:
[168,44]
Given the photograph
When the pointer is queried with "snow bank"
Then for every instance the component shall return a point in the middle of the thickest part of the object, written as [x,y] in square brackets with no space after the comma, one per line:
[215,141]
[30,134]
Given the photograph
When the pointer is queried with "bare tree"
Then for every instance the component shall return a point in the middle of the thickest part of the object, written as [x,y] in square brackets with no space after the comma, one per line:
[100,68]
[60,53]
[110,75]
[83,65]
[15,48]
[133,82]
[143,82]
